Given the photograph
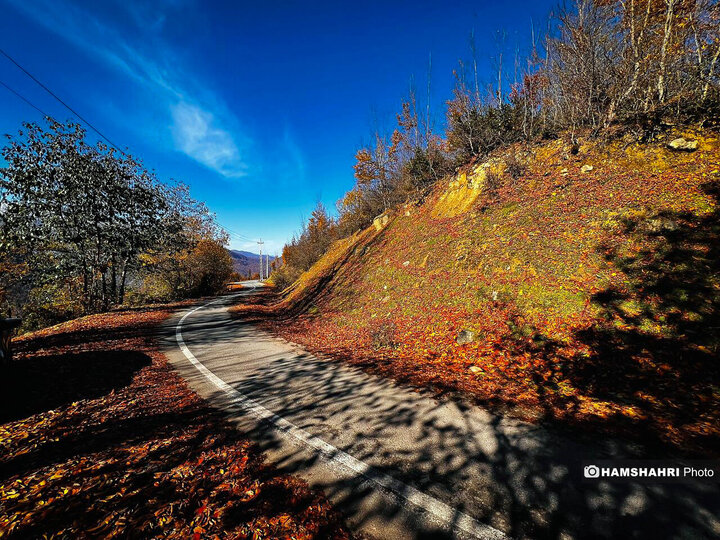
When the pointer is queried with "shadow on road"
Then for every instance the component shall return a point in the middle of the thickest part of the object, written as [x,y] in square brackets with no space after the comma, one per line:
[522,479]
[100,438]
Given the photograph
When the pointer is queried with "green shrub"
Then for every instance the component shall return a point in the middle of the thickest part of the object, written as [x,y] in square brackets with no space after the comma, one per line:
[285,276]
[51,304]
[154,289]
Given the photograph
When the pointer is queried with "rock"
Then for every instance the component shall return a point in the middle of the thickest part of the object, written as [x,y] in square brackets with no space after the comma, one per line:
[406,263]
[586,168]
[465,336]
[564,172]
[683,144]
[380,221]
[660,225]
[476,369]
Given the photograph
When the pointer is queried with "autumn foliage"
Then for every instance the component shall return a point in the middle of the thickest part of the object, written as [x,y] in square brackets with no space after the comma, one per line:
[592,296]
[84,228]
[100,438]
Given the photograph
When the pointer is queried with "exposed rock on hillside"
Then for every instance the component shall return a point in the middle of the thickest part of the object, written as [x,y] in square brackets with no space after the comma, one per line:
[682,143]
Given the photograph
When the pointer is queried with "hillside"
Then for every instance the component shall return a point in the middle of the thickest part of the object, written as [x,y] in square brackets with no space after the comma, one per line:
[584,291]
[246,263]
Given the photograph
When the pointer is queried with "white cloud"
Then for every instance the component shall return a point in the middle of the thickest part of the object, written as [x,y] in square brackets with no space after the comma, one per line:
[201,125]
[197,134]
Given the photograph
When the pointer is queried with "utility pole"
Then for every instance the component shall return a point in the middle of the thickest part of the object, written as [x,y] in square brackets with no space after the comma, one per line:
[260,243]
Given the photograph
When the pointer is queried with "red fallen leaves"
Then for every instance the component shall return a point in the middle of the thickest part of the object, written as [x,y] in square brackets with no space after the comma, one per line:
[102,439]
[590,309]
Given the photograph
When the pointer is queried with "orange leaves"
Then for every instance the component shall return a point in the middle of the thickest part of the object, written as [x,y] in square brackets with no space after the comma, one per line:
[147,458]
[553,277]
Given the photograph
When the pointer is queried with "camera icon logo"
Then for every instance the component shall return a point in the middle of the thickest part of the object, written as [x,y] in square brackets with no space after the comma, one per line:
[592,471]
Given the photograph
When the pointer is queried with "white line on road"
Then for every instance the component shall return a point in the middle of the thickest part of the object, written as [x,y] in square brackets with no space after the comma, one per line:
[453,519]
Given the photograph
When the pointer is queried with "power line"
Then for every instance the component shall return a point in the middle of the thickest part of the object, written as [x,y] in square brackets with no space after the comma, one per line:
[237,235]
[18,94]
[241,236]
[68,107]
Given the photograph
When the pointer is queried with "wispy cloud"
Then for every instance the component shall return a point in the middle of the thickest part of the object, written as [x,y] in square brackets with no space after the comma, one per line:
[200,124]
[197,133]
[293,151]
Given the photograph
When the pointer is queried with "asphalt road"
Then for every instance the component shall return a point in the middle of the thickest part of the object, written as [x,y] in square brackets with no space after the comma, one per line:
[402,464]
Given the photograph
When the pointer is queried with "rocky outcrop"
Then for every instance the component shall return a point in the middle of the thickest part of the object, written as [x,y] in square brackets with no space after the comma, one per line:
[380,221]
[465,336]
[683,144]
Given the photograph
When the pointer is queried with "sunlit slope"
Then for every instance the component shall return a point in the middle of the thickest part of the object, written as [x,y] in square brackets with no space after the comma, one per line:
[582,295]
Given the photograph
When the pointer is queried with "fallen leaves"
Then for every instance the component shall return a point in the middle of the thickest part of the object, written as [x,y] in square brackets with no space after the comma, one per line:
[114,443]
[597,298]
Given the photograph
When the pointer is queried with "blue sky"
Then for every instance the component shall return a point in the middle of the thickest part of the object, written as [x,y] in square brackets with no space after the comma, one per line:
[258,106]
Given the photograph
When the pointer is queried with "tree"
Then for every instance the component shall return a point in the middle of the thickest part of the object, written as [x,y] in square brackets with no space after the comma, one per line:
[314,239]
[207,268]
[86,217]
[79,209]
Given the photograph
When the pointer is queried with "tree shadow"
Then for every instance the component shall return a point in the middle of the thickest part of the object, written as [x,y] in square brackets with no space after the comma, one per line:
[128,450]
[43,383]
[517,477]
[656,347]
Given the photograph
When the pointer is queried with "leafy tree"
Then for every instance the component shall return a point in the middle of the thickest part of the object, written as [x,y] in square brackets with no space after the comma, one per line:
[85,219]
[207,268]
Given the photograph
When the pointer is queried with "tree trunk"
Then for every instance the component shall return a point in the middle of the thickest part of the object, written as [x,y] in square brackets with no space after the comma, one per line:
[711,72]
[113,279]
[667,30]
[122,283]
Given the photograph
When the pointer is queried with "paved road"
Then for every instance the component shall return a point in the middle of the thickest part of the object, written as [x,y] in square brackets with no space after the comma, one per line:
[401,464]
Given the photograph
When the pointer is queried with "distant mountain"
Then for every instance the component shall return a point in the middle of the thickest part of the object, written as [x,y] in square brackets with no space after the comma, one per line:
[247,263]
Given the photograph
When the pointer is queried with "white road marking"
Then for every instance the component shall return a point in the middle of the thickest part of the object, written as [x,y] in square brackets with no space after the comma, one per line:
[454,519]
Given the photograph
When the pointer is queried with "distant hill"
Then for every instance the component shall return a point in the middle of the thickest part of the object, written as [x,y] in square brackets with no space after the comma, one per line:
[246,263]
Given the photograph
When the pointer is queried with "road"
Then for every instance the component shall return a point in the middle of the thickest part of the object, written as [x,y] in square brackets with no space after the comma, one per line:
[402,464]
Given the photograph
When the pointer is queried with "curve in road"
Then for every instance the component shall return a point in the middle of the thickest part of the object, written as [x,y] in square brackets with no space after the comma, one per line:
[402,464]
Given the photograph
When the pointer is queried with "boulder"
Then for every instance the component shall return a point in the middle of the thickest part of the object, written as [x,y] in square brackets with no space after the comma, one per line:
[476,370]
[380,221]
[683,144]
[660,225]
[465,336]
[586,168]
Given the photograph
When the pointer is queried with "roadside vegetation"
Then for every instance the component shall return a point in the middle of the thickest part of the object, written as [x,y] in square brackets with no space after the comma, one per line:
[99,437]
[604,70]
[553,253]
[85,228]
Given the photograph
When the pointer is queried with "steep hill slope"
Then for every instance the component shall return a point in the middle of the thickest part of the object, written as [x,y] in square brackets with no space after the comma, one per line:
[586,290]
